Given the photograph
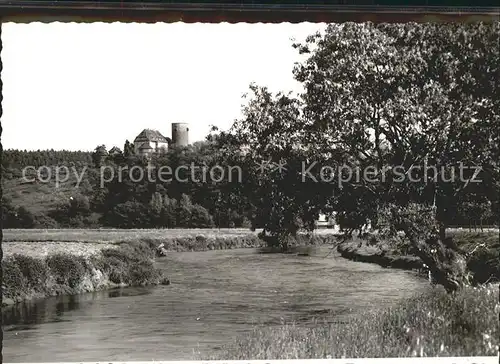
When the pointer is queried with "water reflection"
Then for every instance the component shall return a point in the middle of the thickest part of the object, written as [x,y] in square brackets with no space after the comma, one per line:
[26,315]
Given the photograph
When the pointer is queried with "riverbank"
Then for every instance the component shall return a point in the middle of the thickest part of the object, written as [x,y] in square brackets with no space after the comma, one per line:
[47,269]
[51,267]
[40,269]
[484,262]
[432,324]
[360,251]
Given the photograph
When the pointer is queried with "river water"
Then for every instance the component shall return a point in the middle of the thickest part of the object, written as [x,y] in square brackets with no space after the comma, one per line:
[214,297]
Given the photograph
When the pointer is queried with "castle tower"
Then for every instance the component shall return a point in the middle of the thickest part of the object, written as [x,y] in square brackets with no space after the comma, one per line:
[180,134]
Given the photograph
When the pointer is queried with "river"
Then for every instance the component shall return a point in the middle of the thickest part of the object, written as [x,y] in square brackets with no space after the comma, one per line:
[214,297]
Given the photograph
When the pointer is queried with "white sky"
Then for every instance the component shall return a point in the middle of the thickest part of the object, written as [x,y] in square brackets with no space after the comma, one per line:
[75,86]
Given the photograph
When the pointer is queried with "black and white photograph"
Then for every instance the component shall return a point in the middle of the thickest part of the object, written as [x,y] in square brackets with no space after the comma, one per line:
[250,191]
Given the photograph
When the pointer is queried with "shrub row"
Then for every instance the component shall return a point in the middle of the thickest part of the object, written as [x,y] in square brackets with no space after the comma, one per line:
[203,243]
[130,264]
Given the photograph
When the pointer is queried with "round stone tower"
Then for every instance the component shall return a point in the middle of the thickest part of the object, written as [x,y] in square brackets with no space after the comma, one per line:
[180,134]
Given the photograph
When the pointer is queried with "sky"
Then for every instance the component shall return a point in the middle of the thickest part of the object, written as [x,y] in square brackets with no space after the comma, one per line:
[75,86]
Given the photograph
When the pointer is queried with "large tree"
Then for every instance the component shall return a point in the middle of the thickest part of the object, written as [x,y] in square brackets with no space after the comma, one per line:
[391,98]
[267,143]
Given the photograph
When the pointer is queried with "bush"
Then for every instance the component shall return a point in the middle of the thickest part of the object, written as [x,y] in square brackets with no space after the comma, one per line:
[122,254]
[485,266]
[140,249]
[200,217]
[246,223]
[16,217]
[67,269]
[131,263]
[117,269]
[73,212]
[143,273]
[43,221]
[131,214]
[14,283]
[34,270]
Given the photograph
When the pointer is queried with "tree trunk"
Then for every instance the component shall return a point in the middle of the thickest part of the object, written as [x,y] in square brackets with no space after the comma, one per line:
[446,264]
[448,267]
[441,219]
[442,232]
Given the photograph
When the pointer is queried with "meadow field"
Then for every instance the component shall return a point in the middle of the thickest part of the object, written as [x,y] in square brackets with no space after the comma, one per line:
[114,235]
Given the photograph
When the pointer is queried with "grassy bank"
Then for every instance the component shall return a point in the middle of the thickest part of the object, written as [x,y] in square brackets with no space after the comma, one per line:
[434,324]
[484,262]
[361,251]
[173,239]
[27,276]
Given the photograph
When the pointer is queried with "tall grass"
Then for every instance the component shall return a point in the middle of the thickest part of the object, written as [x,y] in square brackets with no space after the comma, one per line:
[432,324]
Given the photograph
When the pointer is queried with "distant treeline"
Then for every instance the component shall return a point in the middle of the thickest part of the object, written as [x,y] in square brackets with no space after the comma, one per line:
[13,159]
[123,203]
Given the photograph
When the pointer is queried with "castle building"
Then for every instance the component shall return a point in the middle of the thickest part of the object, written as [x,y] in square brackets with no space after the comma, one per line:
[150,141]
[180,134]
